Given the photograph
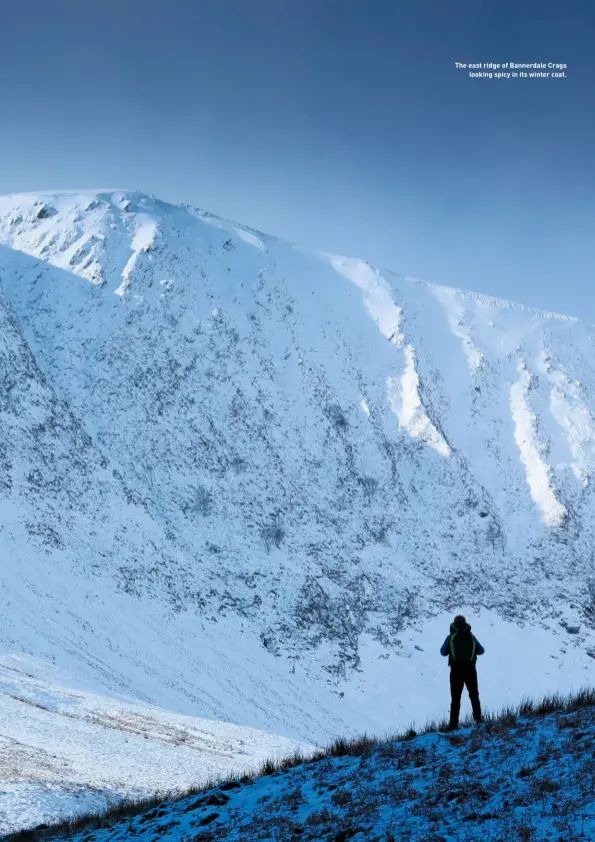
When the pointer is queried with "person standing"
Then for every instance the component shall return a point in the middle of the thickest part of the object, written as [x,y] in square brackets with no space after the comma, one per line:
[462,648]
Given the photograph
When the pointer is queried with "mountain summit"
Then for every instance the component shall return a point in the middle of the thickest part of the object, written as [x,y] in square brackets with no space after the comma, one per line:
[248,482]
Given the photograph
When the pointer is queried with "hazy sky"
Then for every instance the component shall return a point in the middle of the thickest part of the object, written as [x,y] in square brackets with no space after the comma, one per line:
[340,124]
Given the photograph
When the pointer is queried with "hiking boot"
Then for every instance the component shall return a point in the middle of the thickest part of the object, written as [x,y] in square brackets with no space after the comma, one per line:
[448,728]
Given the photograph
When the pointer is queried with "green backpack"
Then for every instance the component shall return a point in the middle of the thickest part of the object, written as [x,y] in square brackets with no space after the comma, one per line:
[462,648]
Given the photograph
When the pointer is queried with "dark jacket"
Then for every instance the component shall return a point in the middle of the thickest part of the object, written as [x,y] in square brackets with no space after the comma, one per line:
[445,648]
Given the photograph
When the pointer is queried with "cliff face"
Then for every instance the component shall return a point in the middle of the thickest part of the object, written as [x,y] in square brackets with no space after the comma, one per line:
[247,481]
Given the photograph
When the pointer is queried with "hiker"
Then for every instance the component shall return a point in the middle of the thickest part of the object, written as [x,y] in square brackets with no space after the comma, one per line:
[462,649]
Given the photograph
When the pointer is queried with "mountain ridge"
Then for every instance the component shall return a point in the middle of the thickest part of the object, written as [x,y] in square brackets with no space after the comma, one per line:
[202,214]
[314,456]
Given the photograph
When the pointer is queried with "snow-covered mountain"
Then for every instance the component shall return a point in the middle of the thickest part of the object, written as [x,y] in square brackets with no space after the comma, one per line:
[251,483]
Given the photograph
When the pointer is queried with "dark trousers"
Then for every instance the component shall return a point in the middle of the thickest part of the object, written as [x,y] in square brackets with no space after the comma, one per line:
[462,675]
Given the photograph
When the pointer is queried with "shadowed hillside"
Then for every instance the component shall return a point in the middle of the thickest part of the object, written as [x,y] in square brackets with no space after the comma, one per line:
[526,775]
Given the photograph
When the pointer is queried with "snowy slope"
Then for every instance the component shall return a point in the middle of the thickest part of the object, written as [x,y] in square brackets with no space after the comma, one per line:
[532,779]
[250,483]
[65,751]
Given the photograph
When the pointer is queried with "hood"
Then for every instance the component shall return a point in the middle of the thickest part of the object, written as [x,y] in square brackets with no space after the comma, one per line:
[459,627]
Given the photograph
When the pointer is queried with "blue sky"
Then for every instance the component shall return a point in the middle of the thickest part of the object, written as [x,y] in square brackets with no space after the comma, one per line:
[340,124]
